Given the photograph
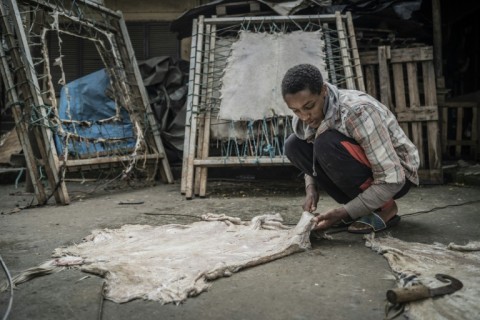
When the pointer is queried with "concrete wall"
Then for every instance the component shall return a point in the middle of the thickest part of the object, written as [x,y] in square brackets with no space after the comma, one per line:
[151,10]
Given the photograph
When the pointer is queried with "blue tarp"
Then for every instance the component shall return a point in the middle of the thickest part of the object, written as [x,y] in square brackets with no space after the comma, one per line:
[87,101]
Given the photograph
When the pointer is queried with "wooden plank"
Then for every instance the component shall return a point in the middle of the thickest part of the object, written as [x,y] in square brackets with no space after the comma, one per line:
[30,88]
[167,173]
[459,132]
[461,142]
[208,114]
[272,19]
[399,91]
[350,84]
[426,113]
[369,58]
[417,54]
[188,117]
[399,87]
[384,76]
[22,130]
[195,100]
[370,80]
[474,140]
[356,58]
[459,104]
[433,134]
[99,161]
[403,55]
[414,98]
[203,102]
[444,130]
[430,176]
[249,161]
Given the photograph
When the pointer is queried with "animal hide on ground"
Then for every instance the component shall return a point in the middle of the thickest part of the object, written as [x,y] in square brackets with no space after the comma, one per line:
[416,262]
[172,262]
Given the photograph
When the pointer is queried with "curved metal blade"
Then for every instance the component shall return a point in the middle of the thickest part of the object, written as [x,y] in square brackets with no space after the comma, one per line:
[454,285]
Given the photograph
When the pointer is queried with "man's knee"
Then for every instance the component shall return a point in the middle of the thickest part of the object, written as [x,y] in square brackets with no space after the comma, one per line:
[328,141]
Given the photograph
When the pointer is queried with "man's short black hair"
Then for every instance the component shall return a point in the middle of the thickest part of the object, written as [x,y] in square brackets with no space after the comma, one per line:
[300,77]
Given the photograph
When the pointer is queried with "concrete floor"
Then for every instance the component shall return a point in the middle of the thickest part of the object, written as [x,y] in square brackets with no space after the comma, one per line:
[336,279]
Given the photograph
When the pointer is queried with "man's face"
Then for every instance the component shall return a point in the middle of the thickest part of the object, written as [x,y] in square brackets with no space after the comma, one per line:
[307,106]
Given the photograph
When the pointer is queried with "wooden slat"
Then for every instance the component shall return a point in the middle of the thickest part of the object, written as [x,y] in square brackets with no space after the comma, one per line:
[107,160]
[31,89]
[459,109]
[370,80]
[429,87]
[458,134]
[444,129]
[399,89]
[195,100]
[356,58]
[203,102]
[426,113]
[404,55]
[152,122]
[475,141]
[188,116]
[22,130]
[430,176]
[384,76]
[206,138]
[414,98]
[350,84]
[250,161]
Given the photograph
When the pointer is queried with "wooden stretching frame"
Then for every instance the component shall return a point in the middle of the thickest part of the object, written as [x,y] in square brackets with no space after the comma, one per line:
[343,64]
[404,80]
[27,96]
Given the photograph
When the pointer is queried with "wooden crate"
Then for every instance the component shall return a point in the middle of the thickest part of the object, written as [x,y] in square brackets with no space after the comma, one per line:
[404,80]
[459,127]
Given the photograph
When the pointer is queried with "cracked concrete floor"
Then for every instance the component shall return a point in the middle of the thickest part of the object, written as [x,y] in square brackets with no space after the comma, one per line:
[336,279]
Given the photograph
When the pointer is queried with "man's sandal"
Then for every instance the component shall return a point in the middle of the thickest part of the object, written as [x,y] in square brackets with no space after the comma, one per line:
[372,223]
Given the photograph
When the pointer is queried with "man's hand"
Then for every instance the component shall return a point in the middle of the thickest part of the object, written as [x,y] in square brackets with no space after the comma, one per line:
[311,199]
[328,218]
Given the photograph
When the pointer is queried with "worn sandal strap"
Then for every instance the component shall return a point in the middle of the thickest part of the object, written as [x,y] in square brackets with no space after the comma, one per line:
[373,220]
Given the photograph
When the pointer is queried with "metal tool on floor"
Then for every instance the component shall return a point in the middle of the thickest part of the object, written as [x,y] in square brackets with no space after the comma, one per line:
[418,292]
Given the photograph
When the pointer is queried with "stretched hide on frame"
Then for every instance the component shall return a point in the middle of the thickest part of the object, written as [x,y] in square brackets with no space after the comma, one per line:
[173,262]
[417,262]
[251,84]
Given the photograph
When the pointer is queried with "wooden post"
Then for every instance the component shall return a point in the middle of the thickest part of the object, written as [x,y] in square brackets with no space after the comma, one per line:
[437,43]
[168,177]
[206,138]
[384,76]
[350,84]
[32,167]
[32,90]
[356,57]
[188,117]
[193,123]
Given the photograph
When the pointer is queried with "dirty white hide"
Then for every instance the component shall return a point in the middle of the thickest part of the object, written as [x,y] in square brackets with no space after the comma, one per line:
[251,83]
[172,262]
[416,262]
